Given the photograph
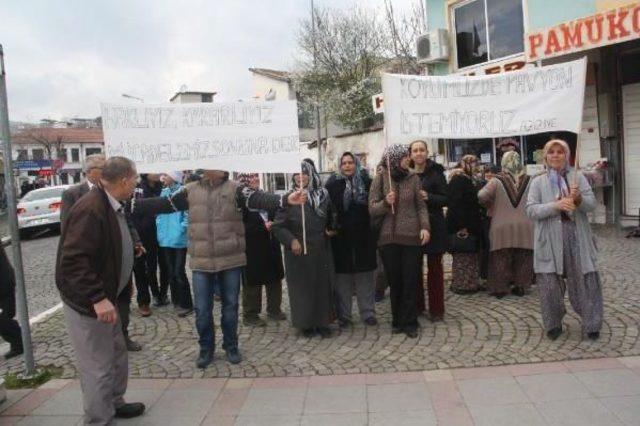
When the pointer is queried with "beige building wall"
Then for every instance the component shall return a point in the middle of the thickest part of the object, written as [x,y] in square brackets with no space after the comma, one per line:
[604,5]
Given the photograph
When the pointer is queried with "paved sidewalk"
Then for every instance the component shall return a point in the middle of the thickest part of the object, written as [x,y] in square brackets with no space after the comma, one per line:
[587,392]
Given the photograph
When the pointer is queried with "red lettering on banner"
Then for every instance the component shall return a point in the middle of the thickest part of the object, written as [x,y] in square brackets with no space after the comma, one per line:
[553,45]
[535,41]
[572,39]
[636,19]
[590,32]
[616,22]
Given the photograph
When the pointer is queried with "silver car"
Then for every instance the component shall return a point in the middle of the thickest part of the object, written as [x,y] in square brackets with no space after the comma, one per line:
[40,208]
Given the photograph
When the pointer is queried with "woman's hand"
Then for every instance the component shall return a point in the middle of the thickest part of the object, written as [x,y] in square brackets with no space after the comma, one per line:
[566,204]
[424,195]
[390,199]
[575,194]
[424,236]
[297,198]
[296,248]
[331,232]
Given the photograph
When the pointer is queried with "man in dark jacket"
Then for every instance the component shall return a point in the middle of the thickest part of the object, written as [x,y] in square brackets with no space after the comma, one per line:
[93,172]
[93,269]
[9,328]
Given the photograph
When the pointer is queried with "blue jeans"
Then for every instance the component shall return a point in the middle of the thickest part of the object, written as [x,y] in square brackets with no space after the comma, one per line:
[204,284]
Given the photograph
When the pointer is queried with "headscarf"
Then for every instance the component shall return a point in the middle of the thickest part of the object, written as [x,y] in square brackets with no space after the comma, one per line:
[467,164]
[315,191]
[558,178]
[246,178]
[354,190]
[511,164]
[393,155]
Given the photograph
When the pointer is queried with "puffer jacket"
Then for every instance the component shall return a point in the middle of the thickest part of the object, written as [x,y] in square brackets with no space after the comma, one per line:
[172,227]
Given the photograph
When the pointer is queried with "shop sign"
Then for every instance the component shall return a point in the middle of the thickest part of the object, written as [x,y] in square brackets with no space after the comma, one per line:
[32,164]
[602,29]
[511,64]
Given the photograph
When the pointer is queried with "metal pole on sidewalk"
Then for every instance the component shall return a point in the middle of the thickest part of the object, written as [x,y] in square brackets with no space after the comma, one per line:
[21,293]
[317,102]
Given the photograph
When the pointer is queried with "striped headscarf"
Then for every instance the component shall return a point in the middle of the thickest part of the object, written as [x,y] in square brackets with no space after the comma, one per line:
[317,194]
[558,178]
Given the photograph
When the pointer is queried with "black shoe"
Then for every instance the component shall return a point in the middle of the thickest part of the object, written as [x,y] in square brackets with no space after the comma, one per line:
[411,333]
[130,410]
[254,321]
[14,351]
[396,330]
[233,356]
[518,291]
[463,292]
[325,332]
[160,301]
[371,321]
[594,335]
[133,346]
[344,323]
[554,333]
[183,312]
[280,316]
[498,295]
[308,332]
[205,358]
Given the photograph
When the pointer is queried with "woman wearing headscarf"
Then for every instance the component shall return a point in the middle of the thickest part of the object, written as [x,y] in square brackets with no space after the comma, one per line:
[464,226]
[511,231]
[564,249]
[264,262]
[353,246]
[309,275]
[434,194]
[396,203]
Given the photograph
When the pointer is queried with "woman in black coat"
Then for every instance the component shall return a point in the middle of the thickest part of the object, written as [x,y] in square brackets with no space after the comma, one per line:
[264,263]
[464,220]
[434,192]
[354,246]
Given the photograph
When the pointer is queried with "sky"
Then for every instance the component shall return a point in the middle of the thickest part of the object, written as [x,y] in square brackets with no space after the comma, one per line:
[65,57]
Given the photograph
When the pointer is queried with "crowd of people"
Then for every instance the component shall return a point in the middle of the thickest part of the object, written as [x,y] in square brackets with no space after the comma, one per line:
[505,231]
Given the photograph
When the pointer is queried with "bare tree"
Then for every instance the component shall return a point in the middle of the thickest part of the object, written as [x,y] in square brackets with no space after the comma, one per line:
[50,140]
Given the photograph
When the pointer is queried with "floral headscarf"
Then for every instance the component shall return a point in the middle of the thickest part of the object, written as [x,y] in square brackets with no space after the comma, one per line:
[558,177]
[468,164]
[246,178]
[393,155]
[315,191]
[511,164]
[354,190]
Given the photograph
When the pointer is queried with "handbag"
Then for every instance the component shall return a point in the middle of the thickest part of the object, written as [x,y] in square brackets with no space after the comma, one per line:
[459,242]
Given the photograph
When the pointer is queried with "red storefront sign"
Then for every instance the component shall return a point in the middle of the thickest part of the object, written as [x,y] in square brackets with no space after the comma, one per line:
[602,29]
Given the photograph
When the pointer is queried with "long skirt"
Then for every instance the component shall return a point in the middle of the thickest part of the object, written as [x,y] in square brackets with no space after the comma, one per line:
[510,266]
[435,286]
[465,272]
[585,291]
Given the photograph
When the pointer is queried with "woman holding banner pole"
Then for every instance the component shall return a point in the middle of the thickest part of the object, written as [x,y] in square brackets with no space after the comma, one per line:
[395,202]
[309,272]
[564,251]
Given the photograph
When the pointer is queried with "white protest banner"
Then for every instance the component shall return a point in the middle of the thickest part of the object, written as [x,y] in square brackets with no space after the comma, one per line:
[242,136]
[523,102]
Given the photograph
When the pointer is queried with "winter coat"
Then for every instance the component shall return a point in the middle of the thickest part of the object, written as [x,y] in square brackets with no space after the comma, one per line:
[172,227]
[435,184]
[547,234]
[264,255]
[146,225]
[464,208]
[354,246]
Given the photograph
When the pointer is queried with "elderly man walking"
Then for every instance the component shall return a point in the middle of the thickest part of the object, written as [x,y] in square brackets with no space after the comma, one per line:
[94,264]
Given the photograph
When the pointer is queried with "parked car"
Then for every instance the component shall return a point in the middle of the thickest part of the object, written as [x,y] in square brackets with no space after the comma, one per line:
[40,208]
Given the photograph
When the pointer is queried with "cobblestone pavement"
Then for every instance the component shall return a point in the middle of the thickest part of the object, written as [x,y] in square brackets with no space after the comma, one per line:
[478,331]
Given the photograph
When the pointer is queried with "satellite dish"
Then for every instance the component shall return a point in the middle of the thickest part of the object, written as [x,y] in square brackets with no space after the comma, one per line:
[183,88]
[270,96]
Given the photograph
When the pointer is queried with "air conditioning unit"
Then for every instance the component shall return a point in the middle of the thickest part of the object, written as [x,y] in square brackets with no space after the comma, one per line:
[433,46]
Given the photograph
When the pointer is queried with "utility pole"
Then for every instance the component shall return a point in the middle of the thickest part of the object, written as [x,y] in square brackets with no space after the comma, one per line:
[317,100]
[21,294]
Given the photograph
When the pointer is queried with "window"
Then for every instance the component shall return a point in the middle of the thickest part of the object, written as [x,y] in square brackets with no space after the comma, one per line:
[91,151]
[207,97]
[23,155]
[75,155]
[487,30]
[62,154]
[37,154]
[481,148]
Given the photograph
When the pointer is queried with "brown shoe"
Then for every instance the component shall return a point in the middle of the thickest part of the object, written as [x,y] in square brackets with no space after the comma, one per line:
[144,310]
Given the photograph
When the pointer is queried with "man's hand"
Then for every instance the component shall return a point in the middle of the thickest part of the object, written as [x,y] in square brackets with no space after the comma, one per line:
[297,198]
[331,232]
[390,199]
[424,236]
[139,250]
[296,248]
[566,204]
[268,224]
[424,195]
[105,311]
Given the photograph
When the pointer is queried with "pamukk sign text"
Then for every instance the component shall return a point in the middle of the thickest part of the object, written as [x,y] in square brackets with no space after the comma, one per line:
[523,102]
[241,136]
[602,29]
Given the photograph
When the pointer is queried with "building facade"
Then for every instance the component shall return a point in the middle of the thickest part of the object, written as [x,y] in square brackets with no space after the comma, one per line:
[495,36]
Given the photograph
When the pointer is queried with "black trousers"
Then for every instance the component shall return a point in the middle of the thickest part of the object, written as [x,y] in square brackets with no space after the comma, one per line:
[9,328]
[402,274]
[252,298]
[176,259]
[145,272]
